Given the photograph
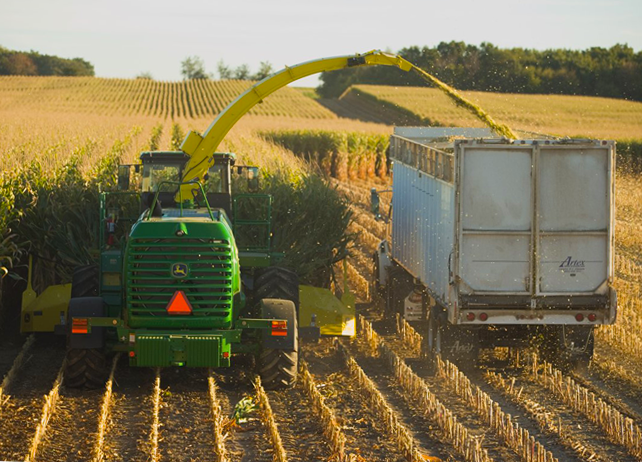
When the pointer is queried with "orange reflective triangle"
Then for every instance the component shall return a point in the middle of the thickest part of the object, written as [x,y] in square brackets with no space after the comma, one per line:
[179,304]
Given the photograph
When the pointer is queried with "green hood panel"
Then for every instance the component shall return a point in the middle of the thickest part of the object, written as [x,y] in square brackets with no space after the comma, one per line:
[195,256]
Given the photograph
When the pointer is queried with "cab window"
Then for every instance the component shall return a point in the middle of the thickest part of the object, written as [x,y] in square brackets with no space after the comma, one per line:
[217,181]
[155,174]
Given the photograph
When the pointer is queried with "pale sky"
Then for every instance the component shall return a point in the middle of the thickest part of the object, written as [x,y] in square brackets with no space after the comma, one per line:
[123,38]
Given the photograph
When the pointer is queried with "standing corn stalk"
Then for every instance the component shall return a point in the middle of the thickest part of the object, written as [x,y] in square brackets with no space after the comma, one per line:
[217,419]
[331,427]
[268,419]
[620,429]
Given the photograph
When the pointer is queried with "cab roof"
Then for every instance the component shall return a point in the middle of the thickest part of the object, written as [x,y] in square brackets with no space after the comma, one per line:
[180,156]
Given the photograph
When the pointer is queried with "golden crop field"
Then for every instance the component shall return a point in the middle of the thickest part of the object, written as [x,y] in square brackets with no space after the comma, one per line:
[560,115]
[127,97]
[370,399]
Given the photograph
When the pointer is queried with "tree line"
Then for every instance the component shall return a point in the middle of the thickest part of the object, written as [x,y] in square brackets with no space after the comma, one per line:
[193,67]
[33,63]
[611,72]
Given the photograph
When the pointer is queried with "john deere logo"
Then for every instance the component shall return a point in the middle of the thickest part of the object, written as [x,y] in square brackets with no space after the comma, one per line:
[179,270]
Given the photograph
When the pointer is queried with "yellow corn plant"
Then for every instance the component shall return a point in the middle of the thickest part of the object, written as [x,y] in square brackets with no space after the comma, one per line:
[154,453]
[144,97]
[344,155]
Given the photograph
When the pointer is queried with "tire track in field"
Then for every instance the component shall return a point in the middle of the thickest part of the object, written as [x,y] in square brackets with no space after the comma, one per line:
[300,431]
[408,412]
[442,388]
[127,435]
[246,442]
[71,431]
[465,415]
[572,423]
[185,418]
[76,430]
[365,436]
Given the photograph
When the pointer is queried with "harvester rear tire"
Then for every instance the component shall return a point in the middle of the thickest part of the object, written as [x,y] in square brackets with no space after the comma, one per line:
[278,368]
[84,282]
[85,368]
[276,282]
[278,361]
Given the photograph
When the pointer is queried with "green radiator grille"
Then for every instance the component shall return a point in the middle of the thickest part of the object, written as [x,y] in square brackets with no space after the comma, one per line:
[201,268]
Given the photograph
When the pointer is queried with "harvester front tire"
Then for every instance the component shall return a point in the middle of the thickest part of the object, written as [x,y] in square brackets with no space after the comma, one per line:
[276,282]
[85,368]
[84,282]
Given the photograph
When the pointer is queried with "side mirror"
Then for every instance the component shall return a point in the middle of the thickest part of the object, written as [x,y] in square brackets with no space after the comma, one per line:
[123,177]
[253,179]
[374,203]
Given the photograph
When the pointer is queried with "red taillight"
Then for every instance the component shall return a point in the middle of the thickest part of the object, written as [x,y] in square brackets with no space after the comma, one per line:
[483,317]
[470,316]
[79,326]
[279,328]
[179,304]
[579,317]
[592,317]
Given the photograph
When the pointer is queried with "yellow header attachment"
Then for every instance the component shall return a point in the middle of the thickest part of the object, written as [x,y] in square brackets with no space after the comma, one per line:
[201,148]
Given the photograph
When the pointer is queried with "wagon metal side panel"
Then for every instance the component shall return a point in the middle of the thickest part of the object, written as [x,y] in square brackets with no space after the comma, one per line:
[423,205]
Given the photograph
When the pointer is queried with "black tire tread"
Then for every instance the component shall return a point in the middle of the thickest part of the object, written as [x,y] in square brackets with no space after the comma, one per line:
[85,368]
[278,368]
[85,282]
[277,282]
[399,286]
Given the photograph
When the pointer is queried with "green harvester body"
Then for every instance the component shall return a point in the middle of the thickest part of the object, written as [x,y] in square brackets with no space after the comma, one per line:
[186,249]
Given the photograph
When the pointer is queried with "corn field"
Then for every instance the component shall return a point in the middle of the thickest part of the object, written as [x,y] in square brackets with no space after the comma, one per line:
[366,399]
[188,99]
[348,155]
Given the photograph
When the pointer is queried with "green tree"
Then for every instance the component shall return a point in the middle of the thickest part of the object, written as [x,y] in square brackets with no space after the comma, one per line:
[224,71]
[614,72]
[265,69]
[242,72]
[193,67]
